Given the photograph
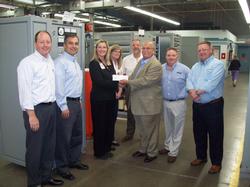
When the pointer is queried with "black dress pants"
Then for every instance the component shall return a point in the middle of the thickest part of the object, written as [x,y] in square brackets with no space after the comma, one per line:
[40,145]
[103,118]
[69,137]
[208,123]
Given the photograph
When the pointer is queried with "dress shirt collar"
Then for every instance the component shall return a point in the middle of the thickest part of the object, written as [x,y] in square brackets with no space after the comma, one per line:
[145,61]
[41,57]
[208,60]
[175,64]
[69,56]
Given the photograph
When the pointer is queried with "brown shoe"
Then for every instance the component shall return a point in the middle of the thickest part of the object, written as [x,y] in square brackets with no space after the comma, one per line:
[138,154]
[163,151]
[171,159]
[198,162]
[214,169]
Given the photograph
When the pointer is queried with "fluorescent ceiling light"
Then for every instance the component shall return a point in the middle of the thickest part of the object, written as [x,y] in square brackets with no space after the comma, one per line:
[87,20]
[108,24]
[85,14]
[75,11]
[245,10]
[152,15]
[75,18]
[31,2]
[7,6]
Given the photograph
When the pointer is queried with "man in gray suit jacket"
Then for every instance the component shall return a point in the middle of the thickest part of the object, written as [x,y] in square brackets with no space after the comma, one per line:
[146,101]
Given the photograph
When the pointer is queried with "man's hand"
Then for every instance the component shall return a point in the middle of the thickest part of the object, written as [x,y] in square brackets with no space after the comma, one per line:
[65,114]
[193,95]
[33,121]
[123,83]
[200,92]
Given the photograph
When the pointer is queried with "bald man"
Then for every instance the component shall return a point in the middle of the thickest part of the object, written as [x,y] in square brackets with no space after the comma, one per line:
[146,101]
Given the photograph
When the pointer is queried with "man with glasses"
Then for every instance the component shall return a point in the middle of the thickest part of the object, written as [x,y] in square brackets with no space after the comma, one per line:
[146,101]
[205,85]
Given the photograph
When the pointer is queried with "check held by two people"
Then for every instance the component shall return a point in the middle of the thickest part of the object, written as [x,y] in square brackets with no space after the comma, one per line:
[119,77]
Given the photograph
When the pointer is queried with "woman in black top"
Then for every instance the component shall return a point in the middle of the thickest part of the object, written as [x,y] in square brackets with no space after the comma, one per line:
[103,100]
[114,57]
[235,69]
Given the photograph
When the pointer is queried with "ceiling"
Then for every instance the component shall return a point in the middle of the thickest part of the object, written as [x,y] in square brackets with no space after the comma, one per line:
[192,14]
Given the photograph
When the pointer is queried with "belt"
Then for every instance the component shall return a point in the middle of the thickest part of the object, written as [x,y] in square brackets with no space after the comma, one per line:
[171,100]
[73,98]
[48,103]
[211,102]
[215,100]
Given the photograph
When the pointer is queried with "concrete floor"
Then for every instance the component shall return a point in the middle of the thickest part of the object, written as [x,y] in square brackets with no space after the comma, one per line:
[124,171]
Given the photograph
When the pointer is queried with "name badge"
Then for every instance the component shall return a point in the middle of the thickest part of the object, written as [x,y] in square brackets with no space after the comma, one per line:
[102,66]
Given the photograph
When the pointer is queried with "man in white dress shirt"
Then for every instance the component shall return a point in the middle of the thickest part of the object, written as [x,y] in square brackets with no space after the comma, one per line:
[69,77]
[36,86]
[128,66]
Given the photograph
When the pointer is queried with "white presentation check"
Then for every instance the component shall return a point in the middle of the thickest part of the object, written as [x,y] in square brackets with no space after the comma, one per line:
[119,77]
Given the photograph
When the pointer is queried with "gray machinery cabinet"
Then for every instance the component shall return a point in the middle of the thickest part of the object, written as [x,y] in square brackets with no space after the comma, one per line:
[17,41]
[164,41]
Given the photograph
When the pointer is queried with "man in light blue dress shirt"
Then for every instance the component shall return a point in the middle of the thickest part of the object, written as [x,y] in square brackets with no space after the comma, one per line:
[205,85]
[69,77]
[174,75]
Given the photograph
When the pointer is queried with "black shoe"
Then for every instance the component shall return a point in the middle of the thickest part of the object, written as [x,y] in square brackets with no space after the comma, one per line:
[138,154]
[66,175]
[35,185]
[103,157]
[80,166]
[149,158]
[53,182]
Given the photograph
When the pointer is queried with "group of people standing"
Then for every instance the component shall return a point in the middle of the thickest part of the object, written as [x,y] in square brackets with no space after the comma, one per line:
[50,94]
[152,86]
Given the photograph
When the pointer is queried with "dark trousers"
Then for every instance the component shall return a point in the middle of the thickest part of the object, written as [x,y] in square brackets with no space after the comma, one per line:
[208,122]
[130,117]
[115,117]
[40,145]
[69,137]
[103,118]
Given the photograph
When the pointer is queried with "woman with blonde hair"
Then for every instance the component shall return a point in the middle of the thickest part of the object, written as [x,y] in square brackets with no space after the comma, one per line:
[114,57]
[103,100]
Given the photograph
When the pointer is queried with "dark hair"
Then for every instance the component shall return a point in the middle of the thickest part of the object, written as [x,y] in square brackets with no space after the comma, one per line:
[36,35]
[172,48]
[70,35]
[205,42]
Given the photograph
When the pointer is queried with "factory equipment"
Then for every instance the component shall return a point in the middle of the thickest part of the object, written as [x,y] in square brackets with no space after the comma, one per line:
[164,41]
[124,39]
[17,41]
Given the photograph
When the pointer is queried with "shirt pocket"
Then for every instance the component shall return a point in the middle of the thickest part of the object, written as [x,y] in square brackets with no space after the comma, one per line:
[208,74]
[180,77]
